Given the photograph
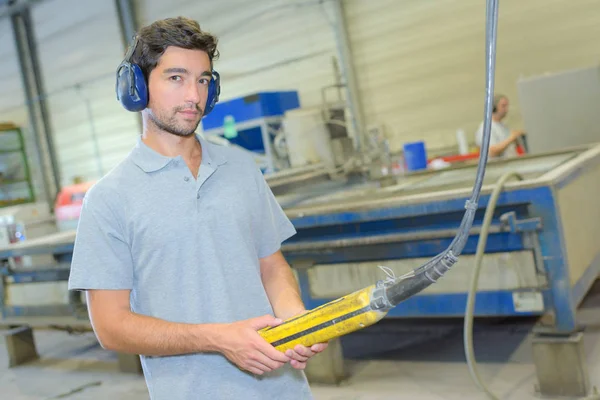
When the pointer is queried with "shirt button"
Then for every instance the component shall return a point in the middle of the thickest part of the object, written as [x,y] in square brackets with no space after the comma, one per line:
[186,178]
[198,196]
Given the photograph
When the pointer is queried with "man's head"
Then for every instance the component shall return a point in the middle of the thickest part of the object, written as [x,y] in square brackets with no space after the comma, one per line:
[500,106]
[176,58]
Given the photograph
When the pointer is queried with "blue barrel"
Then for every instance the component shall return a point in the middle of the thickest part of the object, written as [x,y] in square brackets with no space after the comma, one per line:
[415,156]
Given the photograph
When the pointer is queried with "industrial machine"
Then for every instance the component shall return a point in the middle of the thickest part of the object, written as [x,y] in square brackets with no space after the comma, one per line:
[268,124]
[253,123]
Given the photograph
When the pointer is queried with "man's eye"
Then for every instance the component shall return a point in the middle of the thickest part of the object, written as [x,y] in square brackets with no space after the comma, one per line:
[204,81]
[175,78]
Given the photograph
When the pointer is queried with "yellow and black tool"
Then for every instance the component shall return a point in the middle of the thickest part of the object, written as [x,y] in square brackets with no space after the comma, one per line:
[336,318]
[369,305]
[357,310]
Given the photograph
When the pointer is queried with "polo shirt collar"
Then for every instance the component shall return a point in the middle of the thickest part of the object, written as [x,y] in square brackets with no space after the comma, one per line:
[149,160]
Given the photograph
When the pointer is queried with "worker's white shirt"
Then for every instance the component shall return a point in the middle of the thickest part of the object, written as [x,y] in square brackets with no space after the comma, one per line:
[500,132]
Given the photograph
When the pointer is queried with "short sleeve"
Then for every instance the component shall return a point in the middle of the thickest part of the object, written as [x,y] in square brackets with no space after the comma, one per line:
[101,256]
[274,227]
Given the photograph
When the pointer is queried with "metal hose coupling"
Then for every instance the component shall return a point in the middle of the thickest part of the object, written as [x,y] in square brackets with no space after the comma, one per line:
[379,299]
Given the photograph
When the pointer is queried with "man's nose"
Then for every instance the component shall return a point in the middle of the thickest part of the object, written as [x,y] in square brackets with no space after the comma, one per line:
[193,93]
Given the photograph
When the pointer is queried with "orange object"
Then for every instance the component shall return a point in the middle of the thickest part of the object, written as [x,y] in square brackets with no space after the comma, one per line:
[459,157]
[69,201]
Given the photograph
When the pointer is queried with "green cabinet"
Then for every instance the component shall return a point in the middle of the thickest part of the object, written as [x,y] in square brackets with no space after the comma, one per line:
[16,186]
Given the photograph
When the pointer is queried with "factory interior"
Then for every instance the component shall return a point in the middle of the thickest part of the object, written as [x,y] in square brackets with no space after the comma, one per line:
[438,161]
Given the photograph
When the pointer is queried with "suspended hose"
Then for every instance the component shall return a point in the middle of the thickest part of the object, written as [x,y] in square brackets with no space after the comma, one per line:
[427,274]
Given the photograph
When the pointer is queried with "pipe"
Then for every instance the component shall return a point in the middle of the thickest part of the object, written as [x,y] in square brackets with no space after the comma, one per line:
[36,103]
[127,20]
[327,245]
[15,7]
[345,58]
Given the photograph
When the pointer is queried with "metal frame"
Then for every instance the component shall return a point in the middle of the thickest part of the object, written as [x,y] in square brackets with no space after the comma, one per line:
[35,93]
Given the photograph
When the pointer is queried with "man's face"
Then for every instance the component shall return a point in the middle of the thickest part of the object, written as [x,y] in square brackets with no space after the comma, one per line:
[178,88]
[502,107]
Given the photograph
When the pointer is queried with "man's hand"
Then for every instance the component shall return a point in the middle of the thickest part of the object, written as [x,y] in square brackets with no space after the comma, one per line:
[243,346]
[301,354]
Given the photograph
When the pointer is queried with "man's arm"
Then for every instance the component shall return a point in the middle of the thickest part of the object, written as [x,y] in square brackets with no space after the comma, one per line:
[284,295]
[281,286]
[498,148]
[119,329]
[140,334]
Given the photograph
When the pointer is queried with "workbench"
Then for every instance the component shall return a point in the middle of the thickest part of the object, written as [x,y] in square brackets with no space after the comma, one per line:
[542,253]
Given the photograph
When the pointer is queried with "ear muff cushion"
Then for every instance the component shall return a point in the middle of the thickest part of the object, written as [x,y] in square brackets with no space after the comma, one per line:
[132,90]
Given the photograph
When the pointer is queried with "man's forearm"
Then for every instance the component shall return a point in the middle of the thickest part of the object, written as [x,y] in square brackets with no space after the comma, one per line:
[140,334]
[498,149]
[283,291]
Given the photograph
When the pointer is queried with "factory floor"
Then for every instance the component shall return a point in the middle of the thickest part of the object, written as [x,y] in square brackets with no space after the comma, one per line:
[427,363]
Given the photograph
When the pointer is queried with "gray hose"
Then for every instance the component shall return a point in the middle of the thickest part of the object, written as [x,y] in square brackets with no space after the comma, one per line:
[468,326]
[470,309]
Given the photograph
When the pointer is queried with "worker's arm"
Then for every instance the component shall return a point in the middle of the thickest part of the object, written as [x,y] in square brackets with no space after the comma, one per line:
[498,148]
[281,286]
[119,329]
[284,295]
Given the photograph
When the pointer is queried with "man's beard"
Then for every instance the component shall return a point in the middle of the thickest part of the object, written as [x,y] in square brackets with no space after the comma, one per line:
[171,125]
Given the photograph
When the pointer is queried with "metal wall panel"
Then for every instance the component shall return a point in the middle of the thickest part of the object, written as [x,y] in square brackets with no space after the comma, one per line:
[80,48]
[420,64]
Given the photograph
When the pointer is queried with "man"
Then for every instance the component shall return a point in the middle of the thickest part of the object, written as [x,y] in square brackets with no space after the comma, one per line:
[178,247]
[502,139]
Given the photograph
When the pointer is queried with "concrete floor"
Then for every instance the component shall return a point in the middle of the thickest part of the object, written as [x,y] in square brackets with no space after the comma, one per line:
[74,367]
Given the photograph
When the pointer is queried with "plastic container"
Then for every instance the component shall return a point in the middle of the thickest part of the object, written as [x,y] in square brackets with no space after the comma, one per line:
[463,143]
[307,137]
[415,156]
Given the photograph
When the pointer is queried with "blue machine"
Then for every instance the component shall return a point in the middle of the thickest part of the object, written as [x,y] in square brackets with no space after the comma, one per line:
[257,117]
[538,258]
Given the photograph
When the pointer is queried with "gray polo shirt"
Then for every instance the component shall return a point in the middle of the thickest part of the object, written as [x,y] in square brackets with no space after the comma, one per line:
[189,251]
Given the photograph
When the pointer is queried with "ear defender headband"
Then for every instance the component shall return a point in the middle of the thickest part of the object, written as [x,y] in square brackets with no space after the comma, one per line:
[132,90]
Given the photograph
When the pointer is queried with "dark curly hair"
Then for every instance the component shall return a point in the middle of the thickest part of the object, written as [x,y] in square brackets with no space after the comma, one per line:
[182,32]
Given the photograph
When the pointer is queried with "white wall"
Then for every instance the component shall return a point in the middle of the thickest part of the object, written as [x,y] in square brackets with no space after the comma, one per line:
[264,45]
[419,64]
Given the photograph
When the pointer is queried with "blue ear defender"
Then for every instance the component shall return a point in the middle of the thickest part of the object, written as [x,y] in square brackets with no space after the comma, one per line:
[132,90]
[131,87]
[214,90]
